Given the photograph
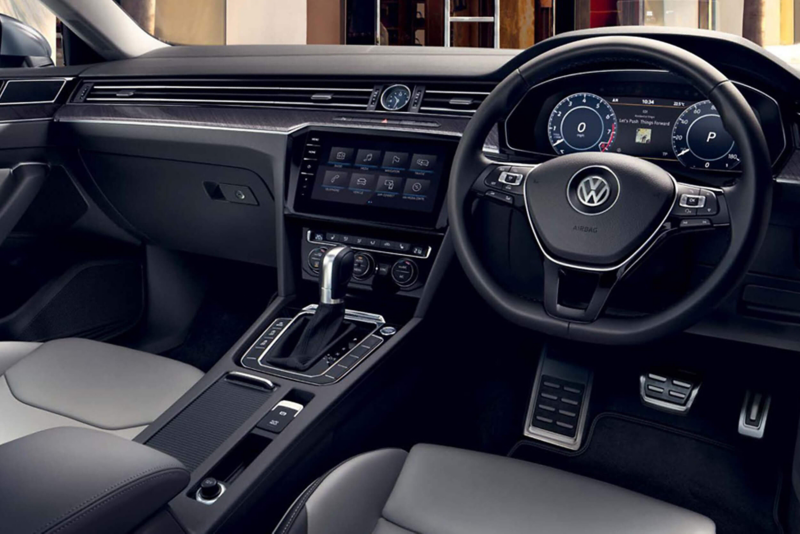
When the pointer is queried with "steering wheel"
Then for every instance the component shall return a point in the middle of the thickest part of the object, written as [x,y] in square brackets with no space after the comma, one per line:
[602,213]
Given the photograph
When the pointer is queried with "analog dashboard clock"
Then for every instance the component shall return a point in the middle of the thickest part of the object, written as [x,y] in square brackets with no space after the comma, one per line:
[395,97]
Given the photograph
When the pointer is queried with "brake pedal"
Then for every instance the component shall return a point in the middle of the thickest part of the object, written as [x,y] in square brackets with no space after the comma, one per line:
[559,402]
[753,417]
[669,391]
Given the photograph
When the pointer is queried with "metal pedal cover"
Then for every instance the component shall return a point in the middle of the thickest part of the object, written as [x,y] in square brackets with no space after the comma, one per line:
[669,391]
[753,417]
[559,402]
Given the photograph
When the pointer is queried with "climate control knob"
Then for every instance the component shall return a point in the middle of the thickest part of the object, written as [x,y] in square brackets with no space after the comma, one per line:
[405,272]
[315,258]
[363,266]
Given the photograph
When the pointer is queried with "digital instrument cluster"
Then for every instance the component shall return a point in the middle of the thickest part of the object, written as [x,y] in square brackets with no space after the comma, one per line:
[653,128]
[652,115]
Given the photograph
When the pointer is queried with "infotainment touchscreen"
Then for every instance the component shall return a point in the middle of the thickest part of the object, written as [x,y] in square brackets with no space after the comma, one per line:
[390,180]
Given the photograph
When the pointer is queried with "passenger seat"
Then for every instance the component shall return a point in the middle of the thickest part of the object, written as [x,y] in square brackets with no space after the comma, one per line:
[83,383]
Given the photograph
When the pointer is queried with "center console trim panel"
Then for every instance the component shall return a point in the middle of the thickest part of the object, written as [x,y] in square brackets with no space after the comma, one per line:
[326,377]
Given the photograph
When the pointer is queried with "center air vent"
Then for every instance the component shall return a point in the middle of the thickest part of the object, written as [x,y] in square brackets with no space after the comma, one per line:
[236,93]
[460,100]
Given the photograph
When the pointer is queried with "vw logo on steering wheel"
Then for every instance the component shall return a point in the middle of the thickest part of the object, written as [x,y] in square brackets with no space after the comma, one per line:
[593,190]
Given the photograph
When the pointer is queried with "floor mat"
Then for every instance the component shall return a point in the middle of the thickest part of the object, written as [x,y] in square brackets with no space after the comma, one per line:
[224,316]
[718,481]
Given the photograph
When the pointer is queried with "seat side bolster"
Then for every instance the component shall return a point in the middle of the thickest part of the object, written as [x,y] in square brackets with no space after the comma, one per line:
[13,351]
[347,500]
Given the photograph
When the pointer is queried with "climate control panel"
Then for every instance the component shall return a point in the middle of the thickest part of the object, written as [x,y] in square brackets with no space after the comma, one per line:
[382,264]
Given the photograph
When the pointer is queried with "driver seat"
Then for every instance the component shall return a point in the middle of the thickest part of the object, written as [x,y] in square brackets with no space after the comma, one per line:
[440,490]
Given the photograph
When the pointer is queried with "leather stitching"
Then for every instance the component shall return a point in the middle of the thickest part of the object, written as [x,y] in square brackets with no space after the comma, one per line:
[301,504]
[110,499]
[104,493]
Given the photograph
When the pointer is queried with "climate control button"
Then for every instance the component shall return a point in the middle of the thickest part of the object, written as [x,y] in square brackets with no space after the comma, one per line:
[363,266]
[315,258]
[405,272]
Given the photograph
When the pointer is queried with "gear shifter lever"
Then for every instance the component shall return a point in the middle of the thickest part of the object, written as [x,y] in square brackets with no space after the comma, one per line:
[337,268]
[325,326]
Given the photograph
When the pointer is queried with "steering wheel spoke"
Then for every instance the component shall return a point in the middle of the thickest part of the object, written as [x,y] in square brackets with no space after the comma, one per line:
[503,183]
[564,287]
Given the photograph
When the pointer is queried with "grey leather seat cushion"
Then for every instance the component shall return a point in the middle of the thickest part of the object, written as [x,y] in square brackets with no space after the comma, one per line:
[77,382]
[439,490]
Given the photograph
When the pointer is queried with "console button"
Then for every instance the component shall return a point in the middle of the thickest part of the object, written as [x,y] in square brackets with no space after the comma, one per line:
[363,266]
[315,258]
[419,250]
[277,419]
[404,272]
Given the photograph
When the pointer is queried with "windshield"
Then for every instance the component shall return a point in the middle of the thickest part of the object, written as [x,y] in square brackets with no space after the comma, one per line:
[514,24]
[457,23]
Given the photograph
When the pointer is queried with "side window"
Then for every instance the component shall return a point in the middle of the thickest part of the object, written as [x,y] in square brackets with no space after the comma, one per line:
[34,50]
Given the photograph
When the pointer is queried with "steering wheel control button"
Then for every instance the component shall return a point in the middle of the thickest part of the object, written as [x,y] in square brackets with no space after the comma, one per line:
[511,178]
[692,201]
[710,207]
[280,416]
[502,197]
[665,391]
[315,258]
[695,223]
[404,272]
[363,266]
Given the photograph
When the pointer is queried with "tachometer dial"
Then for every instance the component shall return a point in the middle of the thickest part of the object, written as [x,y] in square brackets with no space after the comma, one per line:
[700,141]
[395,97]
[582,122]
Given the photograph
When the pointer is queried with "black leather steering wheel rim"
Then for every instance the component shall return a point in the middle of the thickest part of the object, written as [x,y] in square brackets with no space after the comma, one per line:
[749,198]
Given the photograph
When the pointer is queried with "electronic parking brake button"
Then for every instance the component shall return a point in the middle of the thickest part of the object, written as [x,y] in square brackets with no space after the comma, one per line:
[280,416]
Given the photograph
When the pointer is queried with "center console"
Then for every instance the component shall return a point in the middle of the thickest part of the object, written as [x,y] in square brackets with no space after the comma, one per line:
[361,233]
[381,200]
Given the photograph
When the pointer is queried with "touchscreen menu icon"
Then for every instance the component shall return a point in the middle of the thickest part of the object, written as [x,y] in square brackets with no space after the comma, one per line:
[341,155]
[389,185]
[416,188]
[368,158]
[362,183]
[335,179]
[395,160]
[423,163]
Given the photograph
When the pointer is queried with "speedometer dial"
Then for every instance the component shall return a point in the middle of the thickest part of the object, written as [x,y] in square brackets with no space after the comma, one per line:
[700,141]
[580,123]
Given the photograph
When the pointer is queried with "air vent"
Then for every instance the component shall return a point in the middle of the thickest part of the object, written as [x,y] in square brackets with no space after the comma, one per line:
[227,93]
[460,100]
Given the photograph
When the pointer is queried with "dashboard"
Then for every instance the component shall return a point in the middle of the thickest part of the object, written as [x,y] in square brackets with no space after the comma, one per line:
[648,114]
